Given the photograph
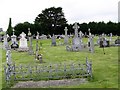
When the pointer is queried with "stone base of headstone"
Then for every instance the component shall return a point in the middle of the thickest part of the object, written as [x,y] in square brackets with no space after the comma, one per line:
[31,52]
[66,40]
[53,44]
[23,49]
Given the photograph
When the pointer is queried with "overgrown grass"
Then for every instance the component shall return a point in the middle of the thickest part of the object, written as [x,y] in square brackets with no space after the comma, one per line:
[105,67]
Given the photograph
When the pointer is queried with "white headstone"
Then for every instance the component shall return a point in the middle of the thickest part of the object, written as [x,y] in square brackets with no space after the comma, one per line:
[23,46]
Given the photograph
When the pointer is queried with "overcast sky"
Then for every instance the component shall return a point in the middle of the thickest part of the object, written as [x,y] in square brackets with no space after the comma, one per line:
[74,10]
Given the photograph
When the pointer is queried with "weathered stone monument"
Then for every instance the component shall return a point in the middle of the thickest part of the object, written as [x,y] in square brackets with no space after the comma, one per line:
[5,43]
[23,46]
[37,46]
[90,42]
[77,44]
[31,52]
[66,36]
[14,43]
[8,57]
[117,41]
[53,40]
[103,41]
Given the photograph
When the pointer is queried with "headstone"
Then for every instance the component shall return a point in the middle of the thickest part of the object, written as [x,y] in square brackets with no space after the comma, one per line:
[110,37]
[37,47]
[66,36]
[23,46]
[76,27]
[104,42]
[5,43]
[117,41]
[80,35]
[43,37]
[53,40]
[30,43]
[91,44]
[8,58]
[14,41]
[77,44]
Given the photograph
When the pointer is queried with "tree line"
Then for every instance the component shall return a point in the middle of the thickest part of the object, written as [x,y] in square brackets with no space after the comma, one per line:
[52,21]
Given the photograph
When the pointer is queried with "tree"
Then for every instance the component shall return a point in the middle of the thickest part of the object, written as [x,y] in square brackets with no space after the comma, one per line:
[22,27]
[51,20]
[10,29]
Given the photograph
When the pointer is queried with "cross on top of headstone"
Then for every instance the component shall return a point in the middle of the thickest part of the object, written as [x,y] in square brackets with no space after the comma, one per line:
[80,33]
[29,33]
[37,37]
[66,30]
[76,27]
[89,32]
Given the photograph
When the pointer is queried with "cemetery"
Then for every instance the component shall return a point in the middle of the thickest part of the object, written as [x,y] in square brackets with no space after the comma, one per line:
[45,60]
[54,54]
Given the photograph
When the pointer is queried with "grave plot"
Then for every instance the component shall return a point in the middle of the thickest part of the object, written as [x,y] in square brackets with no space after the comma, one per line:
[50,72]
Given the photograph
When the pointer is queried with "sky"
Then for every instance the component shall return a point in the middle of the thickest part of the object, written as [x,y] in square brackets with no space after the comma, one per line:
[74,10]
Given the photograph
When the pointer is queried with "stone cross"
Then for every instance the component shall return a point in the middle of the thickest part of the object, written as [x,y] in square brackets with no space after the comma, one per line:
[110,36]
[8,58]
[89,32]
[66,31]
[91,44]
[29,33]
[80,34]
[30,41]
[76,27]
[5,43]
[37,37]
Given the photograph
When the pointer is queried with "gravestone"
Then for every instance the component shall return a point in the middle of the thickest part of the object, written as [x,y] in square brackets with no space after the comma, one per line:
[104,42]
[80,36]
[76,40]
[8,58]
[90,42]
[30,43]
[14,41]
[37,46]
[110,37]
[66,36]
[43,37]
[5,43]
[117,41]
[23,46]
[53,40]
[98,40]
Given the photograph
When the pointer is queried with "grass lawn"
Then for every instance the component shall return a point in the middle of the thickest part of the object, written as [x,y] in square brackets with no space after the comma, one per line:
[105,67]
